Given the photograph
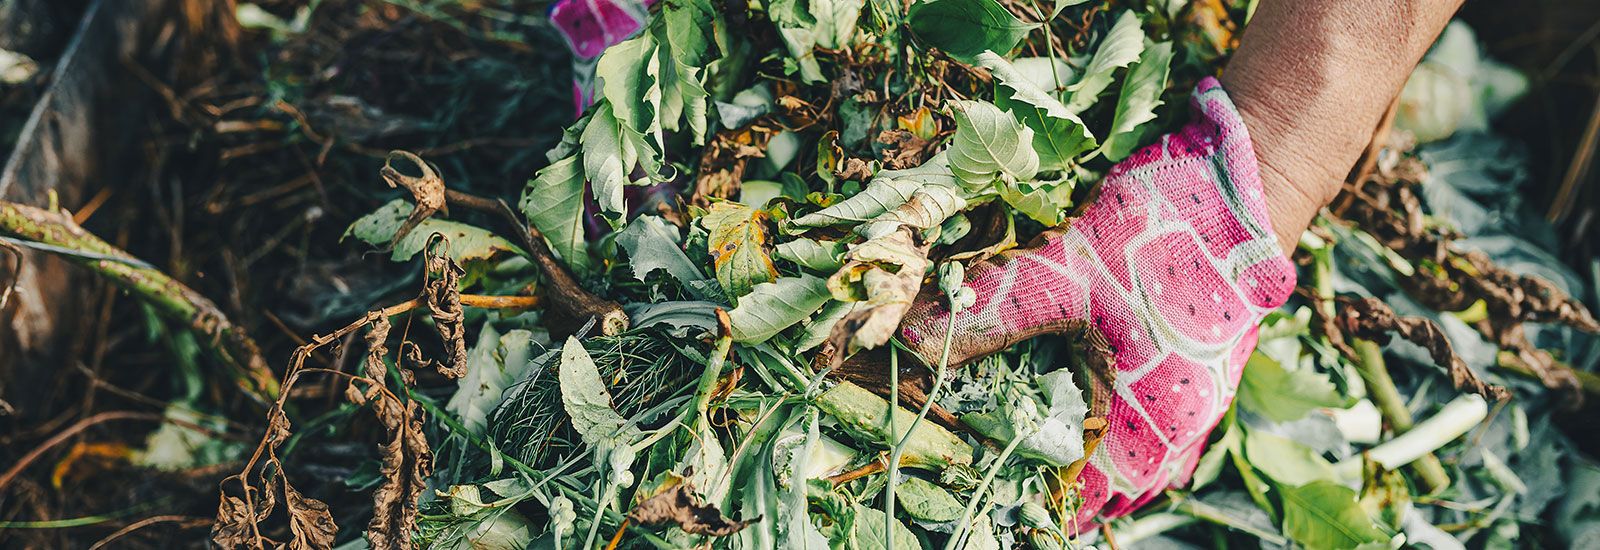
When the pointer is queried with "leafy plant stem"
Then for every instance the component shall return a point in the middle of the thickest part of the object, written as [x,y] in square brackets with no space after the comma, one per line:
[956,541]
[927,404]
[1383,393]
[708,379]
[459,429]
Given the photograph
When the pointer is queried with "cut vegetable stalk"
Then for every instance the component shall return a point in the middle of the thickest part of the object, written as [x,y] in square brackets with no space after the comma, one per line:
[1453,420]
[1383,393]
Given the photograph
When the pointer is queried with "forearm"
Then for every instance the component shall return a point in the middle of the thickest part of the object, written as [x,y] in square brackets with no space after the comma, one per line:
[1311,80]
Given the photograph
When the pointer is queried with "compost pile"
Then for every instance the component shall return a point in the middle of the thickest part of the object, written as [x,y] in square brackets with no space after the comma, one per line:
[682,332]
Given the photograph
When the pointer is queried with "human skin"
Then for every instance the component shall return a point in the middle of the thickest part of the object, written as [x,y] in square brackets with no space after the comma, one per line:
[1311,79]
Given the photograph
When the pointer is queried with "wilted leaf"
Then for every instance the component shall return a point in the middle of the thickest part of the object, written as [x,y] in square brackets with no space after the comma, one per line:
[309,520]
[771,307]
[886,273]
[553,203]
[680,507]
[887,190]
[990,143]
[966,28]
[1141,94]
[1120,47]
[407,461]
[652,244]
[738,247]
[467,243]
[927,502]
[1324,514]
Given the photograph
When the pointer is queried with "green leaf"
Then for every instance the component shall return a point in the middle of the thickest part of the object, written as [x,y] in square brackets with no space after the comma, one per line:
[610,152]
[989,143]
[1120,47]
[836,21]
[966,28]
[466,243]
[626,83]
[1063,4]
[1285,461]
[652,244]
[814,255]
[1324,514]
[925,501]
[584,397]
[771,307]
[1282,395]
[553,203]
[1045,202]
[1058,135]
[1141,94]
[870,534]
[1210,465]
[738,247]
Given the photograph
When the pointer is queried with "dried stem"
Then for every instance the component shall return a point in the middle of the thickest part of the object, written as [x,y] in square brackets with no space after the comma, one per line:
[59,234]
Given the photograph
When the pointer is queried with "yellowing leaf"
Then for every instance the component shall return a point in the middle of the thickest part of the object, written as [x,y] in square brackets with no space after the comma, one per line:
[738,247]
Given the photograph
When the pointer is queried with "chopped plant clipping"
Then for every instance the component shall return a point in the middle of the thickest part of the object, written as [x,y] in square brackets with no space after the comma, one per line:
[849,274]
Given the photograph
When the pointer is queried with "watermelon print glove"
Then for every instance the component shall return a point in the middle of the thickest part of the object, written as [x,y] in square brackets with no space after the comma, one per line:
[1175,263]
[589,27]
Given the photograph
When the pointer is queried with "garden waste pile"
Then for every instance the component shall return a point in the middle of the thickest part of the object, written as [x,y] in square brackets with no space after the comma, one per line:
[682,333]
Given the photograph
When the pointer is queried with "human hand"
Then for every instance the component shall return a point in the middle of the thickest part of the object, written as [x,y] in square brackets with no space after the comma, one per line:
[1175,264]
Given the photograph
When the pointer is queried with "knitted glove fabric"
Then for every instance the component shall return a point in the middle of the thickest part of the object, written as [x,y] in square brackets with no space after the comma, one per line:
[1176,264]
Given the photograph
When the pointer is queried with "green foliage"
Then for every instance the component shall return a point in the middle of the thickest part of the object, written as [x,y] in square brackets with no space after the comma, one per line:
[1268,389]
[1141,94]
[1121,46]
[772,307]
[553,203]
[990,144]
[966,28]
[1324,514]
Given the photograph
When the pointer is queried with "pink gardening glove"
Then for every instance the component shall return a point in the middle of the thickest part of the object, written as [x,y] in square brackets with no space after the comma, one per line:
[589,27]
[1175,263]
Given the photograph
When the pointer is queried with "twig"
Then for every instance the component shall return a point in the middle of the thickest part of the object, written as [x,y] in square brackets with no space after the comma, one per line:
[68,433]
[141,524]
[170,297]
[568,297]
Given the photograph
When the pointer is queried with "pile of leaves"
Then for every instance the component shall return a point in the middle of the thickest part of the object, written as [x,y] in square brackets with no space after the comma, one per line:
[646,348]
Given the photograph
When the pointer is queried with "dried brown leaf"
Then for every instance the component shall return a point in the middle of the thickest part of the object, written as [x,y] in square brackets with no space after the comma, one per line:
[443,293]
[407,461]
[309,520]
[681,507]
[427,190]
[1371,319]
[904,149]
